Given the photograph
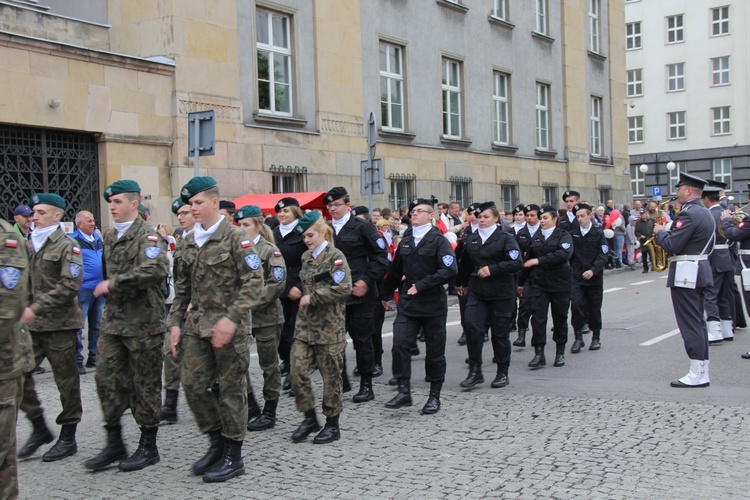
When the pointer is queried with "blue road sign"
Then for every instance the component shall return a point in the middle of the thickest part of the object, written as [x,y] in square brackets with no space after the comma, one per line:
[655,191]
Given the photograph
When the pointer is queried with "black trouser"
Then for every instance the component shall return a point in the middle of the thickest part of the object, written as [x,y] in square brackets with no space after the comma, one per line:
[644,256]
[290,308]
[524,312]
[377,332]
[498,314]
[359,319]
[462,309]
[539,302]
[719,298]
[586,306]
[688,307]
[405,329]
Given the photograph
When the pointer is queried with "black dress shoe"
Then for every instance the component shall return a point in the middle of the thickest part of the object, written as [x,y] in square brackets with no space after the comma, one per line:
[679,384]
[746,355]
[462,339]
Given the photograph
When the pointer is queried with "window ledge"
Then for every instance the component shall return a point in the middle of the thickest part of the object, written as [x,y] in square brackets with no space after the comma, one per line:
[505,148]
[597,55]
[547,153]
[452,141]
[396,134]
[601,160]
[279,120]
[500,22]
[454,6]
[542,36]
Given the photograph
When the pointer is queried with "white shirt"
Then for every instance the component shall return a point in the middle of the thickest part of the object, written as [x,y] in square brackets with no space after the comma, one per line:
[533,229]
[547,232]
[571,216]
[339,223]
[518,226]
[319,249]
[585,230]
[39,236]
[418,232]
[122,227]
[285,229]
[486,233]
[202,235]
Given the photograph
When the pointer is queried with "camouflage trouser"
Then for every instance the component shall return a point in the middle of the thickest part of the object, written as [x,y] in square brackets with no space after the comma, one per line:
[267,339]
[11,392]
[128,374]
[60,350]
[171,365]
[329,359]
[202,365]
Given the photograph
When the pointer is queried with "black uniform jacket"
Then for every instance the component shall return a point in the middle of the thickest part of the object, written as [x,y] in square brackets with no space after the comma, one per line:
[429,266]
[739,233]
[552,274]
[463,235]
[366,252]
[503,257]
[523,237]
[564,223]
[590,252]
[691,230]
[721,260]
[291,247]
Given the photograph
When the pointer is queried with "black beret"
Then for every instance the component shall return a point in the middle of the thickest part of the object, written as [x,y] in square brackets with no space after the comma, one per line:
[691,180]
[581,206]
[196,185]
[484,206]
[547,209]
[52,199]
[227,205]
[176,204]
[285,202]
[531,208]
[571,193]
[121,186]
[518,209]
[247,211]
[334,194]
[419,201]
[306,221]
[360,210]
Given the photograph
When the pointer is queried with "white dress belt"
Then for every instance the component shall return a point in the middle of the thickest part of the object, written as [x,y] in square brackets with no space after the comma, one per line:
[721,246]
[679,258]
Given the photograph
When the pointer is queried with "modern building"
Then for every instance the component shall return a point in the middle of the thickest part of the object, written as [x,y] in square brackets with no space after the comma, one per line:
[687,93]
[472,100]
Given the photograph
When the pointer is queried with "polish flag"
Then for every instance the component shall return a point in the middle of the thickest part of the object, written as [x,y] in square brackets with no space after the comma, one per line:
[442,224]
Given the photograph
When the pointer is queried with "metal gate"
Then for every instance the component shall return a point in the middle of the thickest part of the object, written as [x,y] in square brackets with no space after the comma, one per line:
[52,161]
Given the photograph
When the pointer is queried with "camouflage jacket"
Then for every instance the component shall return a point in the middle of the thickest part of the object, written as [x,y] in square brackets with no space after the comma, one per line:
[16,356]
[222,278]
[328,282]
[269,312]
[56,277]
[136,266]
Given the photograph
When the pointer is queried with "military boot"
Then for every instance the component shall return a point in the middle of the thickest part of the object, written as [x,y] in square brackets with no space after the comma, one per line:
[65,445]
[501,380]
[111,453]
[229,466]
[578,344]
[403,398]
[521,340]
[475,376]
[40,435]
[267,419]
[432,405]
[596,343]
[330,432]
[253,410]
[169,409]
[346,386]
[585,330]
[365,390]
[146,454]
[538,360]
[308,426]
[559,355]
[212,456]
[462,339]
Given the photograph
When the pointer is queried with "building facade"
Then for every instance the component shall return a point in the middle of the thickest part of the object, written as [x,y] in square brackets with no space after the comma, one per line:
[472,100]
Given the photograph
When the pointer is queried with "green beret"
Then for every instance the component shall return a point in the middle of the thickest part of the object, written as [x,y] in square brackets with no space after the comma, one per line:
[143,209]
[47,199]
[247,211]
[196,185]
[122,186]
[176,204]
[306,221]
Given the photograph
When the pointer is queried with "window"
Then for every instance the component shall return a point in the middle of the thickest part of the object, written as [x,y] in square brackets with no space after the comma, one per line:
[633,36]
[461,190]
[637,181]
[677,127]
[288,179]
[675,77]
[635,82]
[550,195]
[274,62]
[720,120]
[403,188]
[720,70]
[722,171]
[500,11]
[596,126]
[509,196]
[542,116]
[540,16]
[594,7]
[391,87]
[674,175]
[720,21]
[451,98]
[500,114]
[675,32]
[635,129]
[605,193]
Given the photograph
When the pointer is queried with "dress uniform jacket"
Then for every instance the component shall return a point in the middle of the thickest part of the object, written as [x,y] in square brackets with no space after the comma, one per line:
[553,273]
[501,254]
[565,223]
[721,259]
[523,237]
[291,247]
[739,233]
[268,311]
[366,252]
[590,252]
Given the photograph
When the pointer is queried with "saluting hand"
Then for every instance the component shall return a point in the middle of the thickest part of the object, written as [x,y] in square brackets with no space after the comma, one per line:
[174,339]
[223,331]
[102,288]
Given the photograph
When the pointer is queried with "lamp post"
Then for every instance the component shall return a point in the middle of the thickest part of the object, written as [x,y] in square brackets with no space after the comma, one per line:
[656,158]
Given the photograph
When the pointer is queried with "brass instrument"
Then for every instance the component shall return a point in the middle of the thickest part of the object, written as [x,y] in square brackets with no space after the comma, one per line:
[739,215]
[659,256]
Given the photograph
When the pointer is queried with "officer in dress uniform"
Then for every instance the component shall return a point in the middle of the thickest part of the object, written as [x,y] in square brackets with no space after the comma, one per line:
[569,221]
[487,273]
[689,240]
[423,263]
[741,234]
[524,237]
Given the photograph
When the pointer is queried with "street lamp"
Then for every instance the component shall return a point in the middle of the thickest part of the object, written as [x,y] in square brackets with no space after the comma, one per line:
[656,159]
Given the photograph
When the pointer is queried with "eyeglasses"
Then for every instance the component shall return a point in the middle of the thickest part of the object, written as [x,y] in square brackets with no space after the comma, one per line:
[182,214]
[421,211]
[335,205]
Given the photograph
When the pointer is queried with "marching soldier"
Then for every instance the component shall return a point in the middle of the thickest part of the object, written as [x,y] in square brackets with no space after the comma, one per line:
[54,318]
[470,228]
[569,221]
[739,233]
[687,242]
[524,237]
[128,371]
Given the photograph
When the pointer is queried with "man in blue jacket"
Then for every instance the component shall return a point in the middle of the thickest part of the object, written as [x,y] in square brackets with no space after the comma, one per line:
[92,249]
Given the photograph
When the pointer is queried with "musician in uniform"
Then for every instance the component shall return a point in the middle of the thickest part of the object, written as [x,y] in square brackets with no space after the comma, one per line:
[689,240]
[741,234]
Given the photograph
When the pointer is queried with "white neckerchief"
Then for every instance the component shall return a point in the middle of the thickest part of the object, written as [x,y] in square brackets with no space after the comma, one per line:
[485,233]
[88,237]
[256,239]
[547,232]
[122,227]
[474,227]
[339,223]
[518,226]
[202,235]
[39,236]
[319,249]
[571,216]
[418,232]
[533,229]
[585,230]
[285,229]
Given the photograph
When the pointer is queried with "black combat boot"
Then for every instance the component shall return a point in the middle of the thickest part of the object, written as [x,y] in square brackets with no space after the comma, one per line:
[169,409]
[345,385]
[521,340]
[585,330]
[212,456]
[330,432]
[578,344]
[538,360]
[229,466]
[393,381]
[378,369]
[65,445]
[287,383]
[414,350]
[365,390]
[267,419]
[253,411]
[403,398]
[596,343]
[111,453]
[432,405]
[559,355]
[308,426]
[146,454]
[475,376]
[501,380]
[462,339]
[284,368]
[40,435]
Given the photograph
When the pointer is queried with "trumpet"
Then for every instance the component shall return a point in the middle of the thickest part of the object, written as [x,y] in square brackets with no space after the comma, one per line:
[659,256]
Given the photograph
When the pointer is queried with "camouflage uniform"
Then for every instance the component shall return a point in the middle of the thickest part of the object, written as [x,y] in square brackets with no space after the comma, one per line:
[128,371]
[16,356]
[56,277]
[223,278]
[320,334]
[172,364]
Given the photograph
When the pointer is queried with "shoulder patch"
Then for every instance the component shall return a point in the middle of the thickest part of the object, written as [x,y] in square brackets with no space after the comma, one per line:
[565,245]
[152,252]
[76,250]
[252,261]
[605,249]
[513,254]
[381,243]
[338,262]
[278,273]
[9,276]
[742,224]
[153,238]
[277,254]
[339,276]
[678,224]
[246,243]
[448,260]
[11,243]
[75,269]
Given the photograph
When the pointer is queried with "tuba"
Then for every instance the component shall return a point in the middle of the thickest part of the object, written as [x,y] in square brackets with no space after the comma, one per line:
[659,256]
